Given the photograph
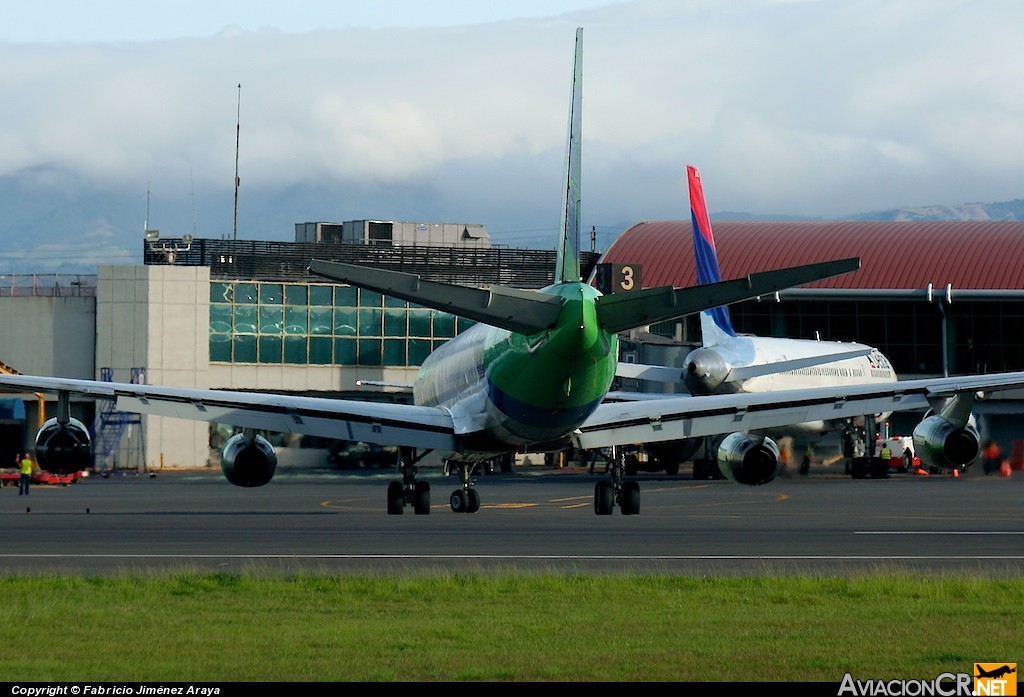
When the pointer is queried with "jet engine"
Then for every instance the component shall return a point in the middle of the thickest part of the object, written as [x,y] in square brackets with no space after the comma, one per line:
[248,460]
[940,442]
[749,459]
[704,371]
[63,447]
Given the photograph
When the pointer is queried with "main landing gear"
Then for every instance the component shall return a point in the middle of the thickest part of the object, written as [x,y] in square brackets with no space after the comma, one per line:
[608,493]
[409,491]
[416,493]
[466,499]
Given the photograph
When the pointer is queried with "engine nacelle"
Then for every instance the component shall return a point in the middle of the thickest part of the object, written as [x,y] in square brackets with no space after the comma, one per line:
[63,448]
[941,443]
[248,462]
[704,371]
[748,459]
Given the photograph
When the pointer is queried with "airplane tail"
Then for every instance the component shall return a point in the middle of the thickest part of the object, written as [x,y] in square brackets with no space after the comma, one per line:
[531,312]
[567,264]
[715,325]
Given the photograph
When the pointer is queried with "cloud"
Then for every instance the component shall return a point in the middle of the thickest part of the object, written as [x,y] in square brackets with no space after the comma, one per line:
[812,108]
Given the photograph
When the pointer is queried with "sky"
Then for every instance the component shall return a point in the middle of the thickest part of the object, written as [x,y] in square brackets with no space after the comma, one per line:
[129,20]
[456,111]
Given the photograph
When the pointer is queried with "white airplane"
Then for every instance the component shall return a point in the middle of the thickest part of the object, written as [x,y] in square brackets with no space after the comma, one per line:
[727,362]
[530,376]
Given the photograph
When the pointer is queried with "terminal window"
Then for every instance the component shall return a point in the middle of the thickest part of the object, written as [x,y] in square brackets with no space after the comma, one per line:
[320,324]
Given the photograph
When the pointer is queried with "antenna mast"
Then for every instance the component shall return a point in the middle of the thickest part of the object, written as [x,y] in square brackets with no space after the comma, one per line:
[238,128]
[192,181]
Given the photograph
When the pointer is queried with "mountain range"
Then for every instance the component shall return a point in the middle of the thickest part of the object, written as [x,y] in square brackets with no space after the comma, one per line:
[56,222]
[965,212]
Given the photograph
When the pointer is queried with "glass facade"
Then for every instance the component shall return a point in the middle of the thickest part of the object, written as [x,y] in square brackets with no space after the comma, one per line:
[918,337]
[321,324]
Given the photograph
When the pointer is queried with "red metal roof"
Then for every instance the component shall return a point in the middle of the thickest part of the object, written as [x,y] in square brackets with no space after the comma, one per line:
[895,255]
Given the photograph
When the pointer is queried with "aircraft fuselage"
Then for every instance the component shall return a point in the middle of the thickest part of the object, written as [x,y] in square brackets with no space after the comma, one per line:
[718,369]
[510,391]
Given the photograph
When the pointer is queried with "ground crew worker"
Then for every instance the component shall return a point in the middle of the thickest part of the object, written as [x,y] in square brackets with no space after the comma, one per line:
[885,453]
[25,466]
[805,466]
[993,455]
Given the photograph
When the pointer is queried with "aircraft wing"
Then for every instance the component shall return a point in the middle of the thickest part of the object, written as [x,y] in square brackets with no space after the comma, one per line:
[342,419]
[747,372]
[613,423]
[662,373]
[675,418]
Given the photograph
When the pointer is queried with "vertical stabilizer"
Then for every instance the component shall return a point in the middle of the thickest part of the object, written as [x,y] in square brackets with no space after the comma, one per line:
[568,260]
[715,324]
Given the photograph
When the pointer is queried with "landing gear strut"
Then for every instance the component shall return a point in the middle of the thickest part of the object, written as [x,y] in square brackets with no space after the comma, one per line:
[608,493]
[466,499]
[409,491]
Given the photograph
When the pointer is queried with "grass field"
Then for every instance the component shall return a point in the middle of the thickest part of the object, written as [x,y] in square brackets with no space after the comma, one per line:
[208,627]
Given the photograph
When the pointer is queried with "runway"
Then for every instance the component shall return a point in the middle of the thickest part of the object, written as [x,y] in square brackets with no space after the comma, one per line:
[332,522]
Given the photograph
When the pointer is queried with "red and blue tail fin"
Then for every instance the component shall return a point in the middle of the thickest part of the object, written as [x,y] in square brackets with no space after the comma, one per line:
[706,255]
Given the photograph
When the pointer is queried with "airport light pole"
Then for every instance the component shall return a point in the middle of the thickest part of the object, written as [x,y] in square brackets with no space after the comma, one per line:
[238,129]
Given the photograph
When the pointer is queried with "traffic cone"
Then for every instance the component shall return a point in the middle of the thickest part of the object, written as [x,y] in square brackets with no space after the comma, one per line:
[1004,469]
[956,474]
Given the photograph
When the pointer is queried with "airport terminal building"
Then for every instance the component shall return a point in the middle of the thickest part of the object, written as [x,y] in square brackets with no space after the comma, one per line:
[937,298]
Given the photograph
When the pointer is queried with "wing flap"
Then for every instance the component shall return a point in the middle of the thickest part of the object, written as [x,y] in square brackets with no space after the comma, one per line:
[344,419]
[673,418]
[387,424]
[687,416]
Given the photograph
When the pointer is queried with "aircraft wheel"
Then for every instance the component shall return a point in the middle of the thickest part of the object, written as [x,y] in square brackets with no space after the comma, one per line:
[421,499]
[473,501]
[604,498]
[459,501]
[396,498]
[701,469]
[630,503]
[858,469]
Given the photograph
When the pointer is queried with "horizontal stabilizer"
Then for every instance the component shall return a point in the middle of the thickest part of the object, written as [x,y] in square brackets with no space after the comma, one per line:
[623,311]
[747,372]
[643,371]
[521,311]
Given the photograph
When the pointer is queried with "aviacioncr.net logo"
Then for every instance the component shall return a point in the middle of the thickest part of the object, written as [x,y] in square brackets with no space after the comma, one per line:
[995,679]
[945,685]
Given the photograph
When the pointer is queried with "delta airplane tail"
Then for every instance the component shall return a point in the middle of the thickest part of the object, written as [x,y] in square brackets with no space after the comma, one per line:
[715,324]
[727,362]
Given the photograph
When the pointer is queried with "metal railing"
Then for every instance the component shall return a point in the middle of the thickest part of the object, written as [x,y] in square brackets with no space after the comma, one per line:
[269,260]
[47,285]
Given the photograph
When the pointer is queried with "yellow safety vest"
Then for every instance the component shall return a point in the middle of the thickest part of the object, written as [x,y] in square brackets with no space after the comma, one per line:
[26,466]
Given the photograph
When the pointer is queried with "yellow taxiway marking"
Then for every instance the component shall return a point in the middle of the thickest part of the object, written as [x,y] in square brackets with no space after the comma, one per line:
[580,501]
